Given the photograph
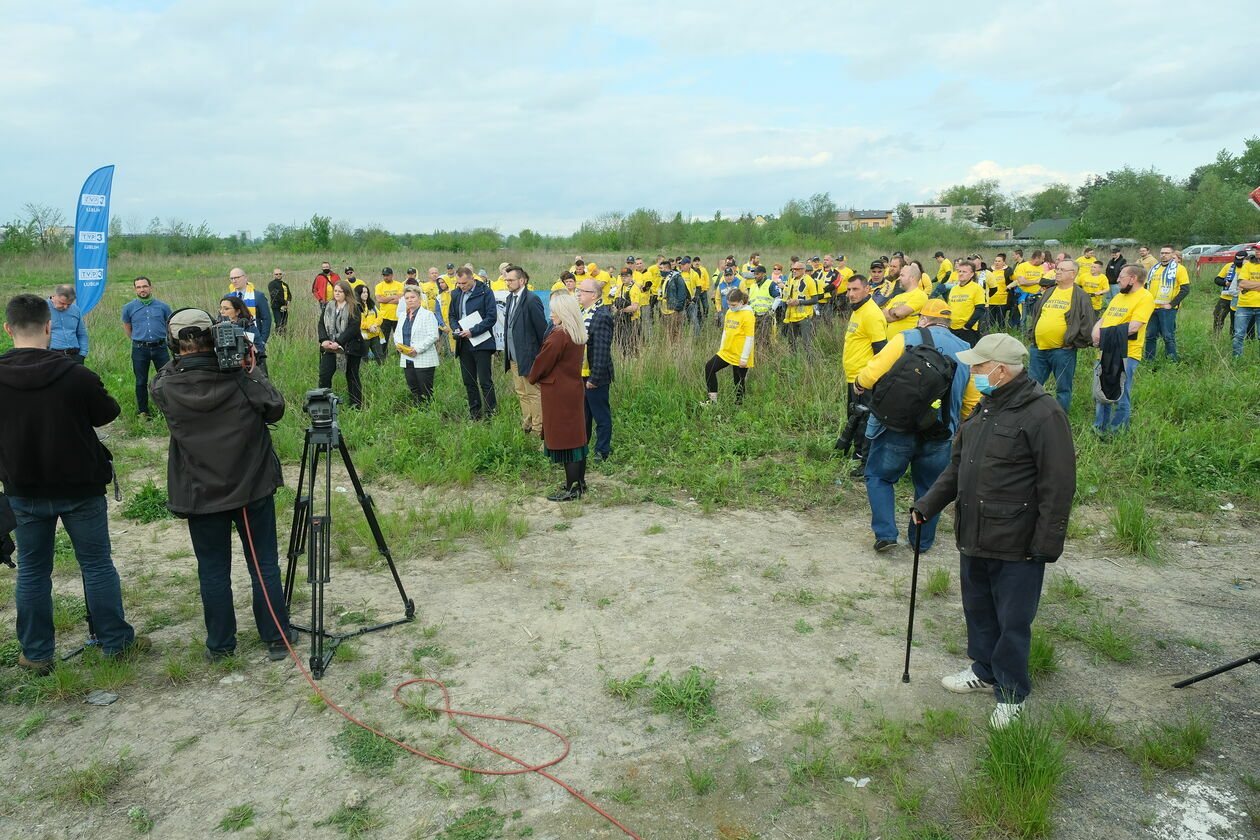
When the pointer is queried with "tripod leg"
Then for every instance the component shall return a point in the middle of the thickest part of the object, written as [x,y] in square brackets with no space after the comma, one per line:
[1237,663]
[319,562]
[301,520]
[369,512]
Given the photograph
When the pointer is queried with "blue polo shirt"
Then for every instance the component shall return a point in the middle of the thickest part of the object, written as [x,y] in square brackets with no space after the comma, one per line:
[68,330]
[148,321]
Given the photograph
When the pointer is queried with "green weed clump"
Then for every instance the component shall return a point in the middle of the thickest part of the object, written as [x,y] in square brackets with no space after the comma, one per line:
[148,504]
[366,750]
[1018,776]
[690,695]
[1084,724]
[1171,746]
[1042,657]
[92,784]
[1136,530]
[477,824]
[355,822]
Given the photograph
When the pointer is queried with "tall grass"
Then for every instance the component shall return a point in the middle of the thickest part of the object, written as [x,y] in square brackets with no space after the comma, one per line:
[1191,442]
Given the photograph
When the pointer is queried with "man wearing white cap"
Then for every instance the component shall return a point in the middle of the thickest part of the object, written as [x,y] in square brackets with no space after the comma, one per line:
[1012,474]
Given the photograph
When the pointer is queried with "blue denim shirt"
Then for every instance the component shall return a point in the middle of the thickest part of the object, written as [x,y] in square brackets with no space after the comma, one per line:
[148,321]
[950,345]
[68,330]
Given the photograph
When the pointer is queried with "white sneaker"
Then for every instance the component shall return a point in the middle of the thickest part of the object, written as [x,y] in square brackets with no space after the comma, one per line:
[965,682]
[1004,714]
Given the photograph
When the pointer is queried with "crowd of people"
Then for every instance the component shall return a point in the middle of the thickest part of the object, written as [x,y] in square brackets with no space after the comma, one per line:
[938,384]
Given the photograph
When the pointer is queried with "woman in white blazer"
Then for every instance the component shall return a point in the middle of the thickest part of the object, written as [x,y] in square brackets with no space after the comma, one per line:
[417,336]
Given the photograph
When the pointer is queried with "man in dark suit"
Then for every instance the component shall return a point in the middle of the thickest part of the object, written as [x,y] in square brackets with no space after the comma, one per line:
[597,366]
[474,343]
[525,327]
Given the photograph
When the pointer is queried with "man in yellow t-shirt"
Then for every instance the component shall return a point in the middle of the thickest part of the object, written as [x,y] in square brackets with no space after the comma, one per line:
[800,296]
[1028,275]
[703,284]
[1084,261]
[999,295]
[429,288]
[1060,321]
[967,303]
[943,267]
[1169,283]
[866,335]
[902,310]
[1094,282]
[1247,314]
[388,294]
[1131,309]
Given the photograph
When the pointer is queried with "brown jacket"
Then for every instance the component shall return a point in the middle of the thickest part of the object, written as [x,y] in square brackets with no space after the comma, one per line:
[557,371]
[1013,473]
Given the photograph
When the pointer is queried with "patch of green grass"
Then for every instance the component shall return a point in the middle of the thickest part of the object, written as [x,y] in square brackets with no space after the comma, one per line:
[1171,746]
[1084,724]
[478,824]
[768,706]
[1102,636]
[701,781]
[29,724]
[937,583]
[812,727]
[775,573]
[354,823]
[654,529]
[625,795]
[148,504]
[141,821]
[1136,530]
[802,626]
[626,689]
[9,653]
[366,750]
[92,784]
[68,612]
[238,818]
[942,724]
[690,695]
[811,763]
[1017,779]
[371,680]
[1252,782]
[1042,657]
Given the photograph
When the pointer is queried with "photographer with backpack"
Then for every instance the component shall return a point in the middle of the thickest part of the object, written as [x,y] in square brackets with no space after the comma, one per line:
[919,393]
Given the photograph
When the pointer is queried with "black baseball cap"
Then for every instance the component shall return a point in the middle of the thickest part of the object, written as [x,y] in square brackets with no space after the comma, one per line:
[387,270]
[349,269]
[877,264]
[450,265]
[687,260]
[629,260]
[411,271]
[759,269]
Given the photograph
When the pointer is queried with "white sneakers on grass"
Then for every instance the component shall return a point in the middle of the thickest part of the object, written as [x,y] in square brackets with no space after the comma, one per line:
[966,682]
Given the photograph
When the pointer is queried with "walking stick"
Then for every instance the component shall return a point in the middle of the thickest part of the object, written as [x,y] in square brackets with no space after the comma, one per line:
[914,584]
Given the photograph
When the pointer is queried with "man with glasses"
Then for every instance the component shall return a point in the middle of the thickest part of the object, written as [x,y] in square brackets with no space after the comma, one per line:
[597,365]
[144,321]
[799,297]
[1169,283]
[280,295]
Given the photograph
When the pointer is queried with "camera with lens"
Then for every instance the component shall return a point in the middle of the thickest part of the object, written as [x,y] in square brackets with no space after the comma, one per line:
[321,407]
[855,425]
[230,346]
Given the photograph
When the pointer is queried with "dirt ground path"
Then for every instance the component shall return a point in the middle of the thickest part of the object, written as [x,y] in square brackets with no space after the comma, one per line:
[799,621]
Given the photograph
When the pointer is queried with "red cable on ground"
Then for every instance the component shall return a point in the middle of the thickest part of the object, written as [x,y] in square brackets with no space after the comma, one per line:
[525,767]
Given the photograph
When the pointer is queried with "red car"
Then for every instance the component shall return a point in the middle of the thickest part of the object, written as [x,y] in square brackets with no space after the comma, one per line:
[1223,256]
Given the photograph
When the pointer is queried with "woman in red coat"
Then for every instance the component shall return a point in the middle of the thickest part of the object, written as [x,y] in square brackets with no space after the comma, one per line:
[557,371]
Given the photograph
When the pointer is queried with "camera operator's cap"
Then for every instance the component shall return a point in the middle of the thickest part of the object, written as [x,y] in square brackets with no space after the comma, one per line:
[185,321]
[450,265]
[995,347]
[936,309]
[629,260]
[387,270]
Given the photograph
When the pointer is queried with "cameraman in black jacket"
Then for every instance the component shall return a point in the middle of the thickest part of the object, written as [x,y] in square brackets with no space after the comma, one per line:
[222,471]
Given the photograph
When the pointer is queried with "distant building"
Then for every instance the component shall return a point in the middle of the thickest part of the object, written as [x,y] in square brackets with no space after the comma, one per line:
[1045,229]
[849,220]
[760,221]
[947,212]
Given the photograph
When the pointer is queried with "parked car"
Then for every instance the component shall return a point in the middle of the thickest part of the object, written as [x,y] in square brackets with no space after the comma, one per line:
[1222,256]
[1196,251]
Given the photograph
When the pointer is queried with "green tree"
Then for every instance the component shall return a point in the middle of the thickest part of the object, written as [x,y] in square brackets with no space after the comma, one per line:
[321,230]
[1218,213]
[1056,201]
[1142,204]
[903,217]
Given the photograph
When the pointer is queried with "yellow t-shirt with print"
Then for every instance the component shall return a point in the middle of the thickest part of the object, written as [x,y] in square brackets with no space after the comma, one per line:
[996,281]
[1028,276]
[1137,305]
[389,311]
[1052,325]
[703,279]
[943,270]
[1249,271]
[429,288]
[798,287]
[1083,263]
[737,328]
[1095,285]
[867,326]
[916,299]
[963,301]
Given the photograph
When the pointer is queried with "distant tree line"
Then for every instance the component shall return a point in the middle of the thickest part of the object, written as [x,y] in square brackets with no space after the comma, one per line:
[1208,206]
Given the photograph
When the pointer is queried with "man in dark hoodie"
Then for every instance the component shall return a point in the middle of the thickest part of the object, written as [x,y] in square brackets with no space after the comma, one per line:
[53,467]
[222,471]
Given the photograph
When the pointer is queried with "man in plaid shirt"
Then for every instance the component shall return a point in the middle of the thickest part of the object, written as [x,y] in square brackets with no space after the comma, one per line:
[597,365]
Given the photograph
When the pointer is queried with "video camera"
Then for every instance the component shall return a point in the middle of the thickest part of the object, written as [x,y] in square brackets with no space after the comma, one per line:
[230,345]
[321,407]
[855,425]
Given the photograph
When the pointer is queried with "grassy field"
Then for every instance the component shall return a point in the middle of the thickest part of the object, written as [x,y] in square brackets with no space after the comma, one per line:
[1192,447]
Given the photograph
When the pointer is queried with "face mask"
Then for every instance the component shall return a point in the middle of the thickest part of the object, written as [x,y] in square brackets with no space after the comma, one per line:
[1124,290]
[983,385]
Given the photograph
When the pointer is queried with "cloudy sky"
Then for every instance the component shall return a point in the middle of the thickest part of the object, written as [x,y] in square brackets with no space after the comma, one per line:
[417,116]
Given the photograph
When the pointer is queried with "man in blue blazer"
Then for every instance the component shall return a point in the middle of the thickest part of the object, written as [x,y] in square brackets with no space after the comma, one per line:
[524,329]
[470,297]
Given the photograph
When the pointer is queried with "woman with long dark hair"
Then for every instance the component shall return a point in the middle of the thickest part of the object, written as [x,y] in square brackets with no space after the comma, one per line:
[340,338]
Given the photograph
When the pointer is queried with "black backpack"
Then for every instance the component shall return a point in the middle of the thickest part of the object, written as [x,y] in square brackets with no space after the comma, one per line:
[906,399]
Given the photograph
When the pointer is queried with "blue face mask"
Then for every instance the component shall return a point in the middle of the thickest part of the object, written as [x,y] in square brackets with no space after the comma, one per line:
[982,383]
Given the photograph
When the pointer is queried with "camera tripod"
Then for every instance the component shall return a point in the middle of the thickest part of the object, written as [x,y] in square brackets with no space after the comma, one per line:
[1237,663]
[311,534]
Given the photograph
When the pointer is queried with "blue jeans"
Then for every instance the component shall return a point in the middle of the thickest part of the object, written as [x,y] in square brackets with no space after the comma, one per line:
[599,414]
[1061,363]
[999,600]
[87,523]
[1163,323]
[891,453]
[141,356]
[211,536]
[1108,418]
[1244,317]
